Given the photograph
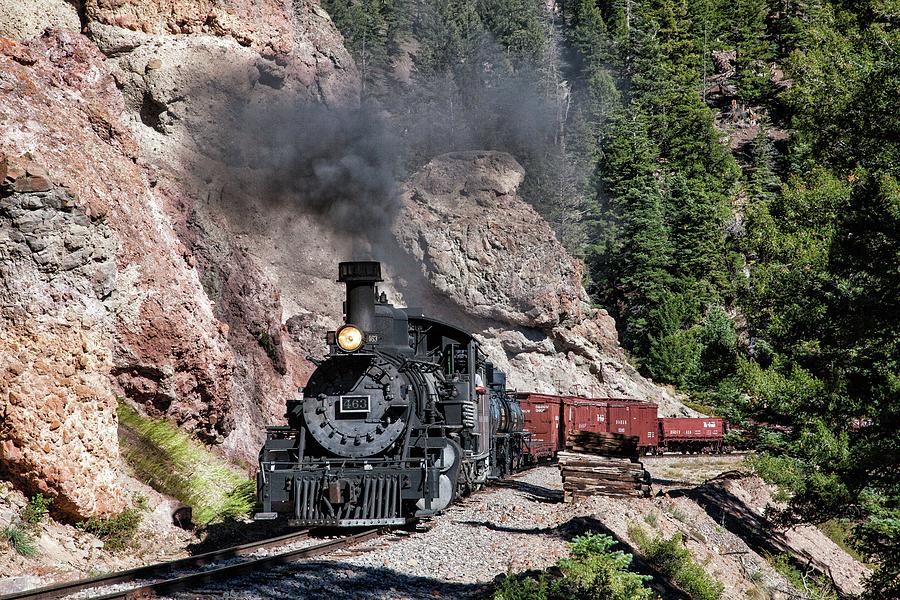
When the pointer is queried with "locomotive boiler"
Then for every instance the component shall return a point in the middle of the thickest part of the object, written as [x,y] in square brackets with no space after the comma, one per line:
[403,415]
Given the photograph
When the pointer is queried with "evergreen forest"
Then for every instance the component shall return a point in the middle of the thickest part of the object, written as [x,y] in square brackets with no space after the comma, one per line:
[729,171]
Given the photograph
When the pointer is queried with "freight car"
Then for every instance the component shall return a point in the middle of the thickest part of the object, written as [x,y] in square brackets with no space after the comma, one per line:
[549,419]
[705,434]
[544,426]
[403,415]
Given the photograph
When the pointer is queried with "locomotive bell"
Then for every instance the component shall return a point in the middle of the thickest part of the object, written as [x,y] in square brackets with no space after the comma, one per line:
[360,278]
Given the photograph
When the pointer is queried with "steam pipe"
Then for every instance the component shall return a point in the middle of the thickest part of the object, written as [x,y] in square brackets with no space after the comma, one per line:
[360,278]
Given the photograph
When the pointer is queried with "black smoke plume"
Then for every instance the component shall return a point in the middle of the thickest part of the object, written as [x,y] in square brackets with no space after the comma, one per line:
[344,166]
[341,166]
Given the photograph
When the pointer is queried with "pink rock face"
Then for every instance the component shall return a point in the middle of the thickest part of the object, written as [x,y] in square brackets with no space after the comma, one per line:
[162,342]
[197,333]
[265,24]
[298,37]
[167,342]
[57,407]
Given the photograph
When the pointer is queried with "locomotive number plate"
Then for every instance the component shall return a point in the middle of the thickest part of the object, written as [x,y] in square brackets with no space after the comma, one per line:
[354,404]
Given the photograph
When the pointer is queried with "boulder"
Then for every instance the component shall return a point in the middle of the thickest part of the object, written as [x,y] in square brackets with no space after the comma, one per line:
[481,249]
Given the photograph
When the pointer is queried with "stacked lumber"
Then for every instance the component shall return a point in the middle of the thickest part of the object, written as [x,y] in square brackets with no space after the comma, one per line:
[603,464]
[603,444]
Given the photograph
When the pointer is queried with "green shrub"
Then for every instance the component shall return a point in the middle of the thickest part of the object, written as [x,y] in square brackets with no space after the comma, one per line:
[650,519]
[673,559]
[20,539]
[36,509]
[785,472]
[593,572]
[174,464]
[526,588]
[818,588]
[118,531]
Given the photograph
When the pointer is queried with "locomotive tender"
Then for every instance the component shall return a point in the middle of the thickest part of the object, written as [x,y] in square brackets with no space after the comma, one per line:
[403,415]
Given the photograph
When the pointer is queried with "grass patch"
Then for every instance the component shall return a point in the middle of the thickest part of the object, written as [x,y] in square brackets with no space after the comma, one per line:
[817,588]
[20,540]
[174,464]
[37,508]
[672,558]
[650,519]
[20,534]
[593,571]
[678,515]
[117,532]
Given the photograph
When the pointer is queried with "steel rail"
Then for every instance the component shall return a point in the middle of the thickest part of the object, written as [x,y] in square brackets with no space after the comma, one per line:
[233,570]
[63,589]
[693,456]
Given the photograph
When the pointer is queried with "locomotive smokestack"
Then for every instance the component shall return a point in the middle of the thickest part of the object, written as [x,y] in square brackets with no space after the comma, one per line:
[360,277]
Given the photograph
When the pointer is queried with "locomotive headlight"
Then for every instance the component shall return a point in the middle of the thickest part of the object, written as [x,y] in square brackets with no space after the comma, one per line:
[349,338]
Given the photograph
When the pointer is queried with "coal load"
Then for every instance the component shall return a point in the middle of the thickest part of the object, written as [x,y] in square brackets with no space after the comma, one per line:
[603,464]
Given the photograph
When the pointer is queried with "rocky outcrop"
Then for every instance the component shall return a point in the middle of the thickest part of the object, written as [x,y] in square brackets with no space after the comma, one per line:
[136,131]
[168,344]
[23,20]
[481,246]
[166,348]
[57,407]
[187,99]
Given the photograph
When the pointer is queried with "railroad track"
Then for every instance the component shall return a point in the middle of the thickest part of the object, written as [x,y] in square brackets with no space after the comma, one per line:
[170,576]
[695,456]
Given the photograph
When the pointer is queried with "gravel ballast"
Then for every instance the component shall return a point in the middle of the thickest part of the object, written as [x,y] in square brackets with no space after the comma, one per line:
[519,525]
[511,526]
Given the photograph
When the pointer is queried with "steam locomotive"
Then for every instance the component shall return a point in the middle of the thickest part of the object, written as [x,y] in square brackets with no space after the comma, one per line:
[403,415]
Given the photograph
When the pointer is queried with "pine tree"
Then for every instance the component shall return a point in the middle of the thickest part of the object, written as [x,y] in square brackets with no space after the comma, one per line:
[698,233]
[449,32]
[754,50]
[517,26]
[674,353]
[638,275]
[646,258]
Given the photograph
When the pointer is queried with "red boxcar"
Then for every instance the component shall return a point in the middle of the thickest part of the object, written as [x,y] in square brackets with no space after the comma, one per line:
[542,419]
[692,434]
[582,414]
[633,417]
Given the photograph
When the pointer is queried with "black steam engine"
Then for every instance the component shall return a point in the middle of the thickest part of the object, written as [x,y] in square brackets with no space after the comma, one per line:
[401,417]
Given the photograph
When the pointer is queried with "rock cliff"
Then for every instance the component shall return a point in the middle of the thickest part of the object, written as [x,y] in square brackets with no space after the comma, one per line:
[109,136]
[57,420]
